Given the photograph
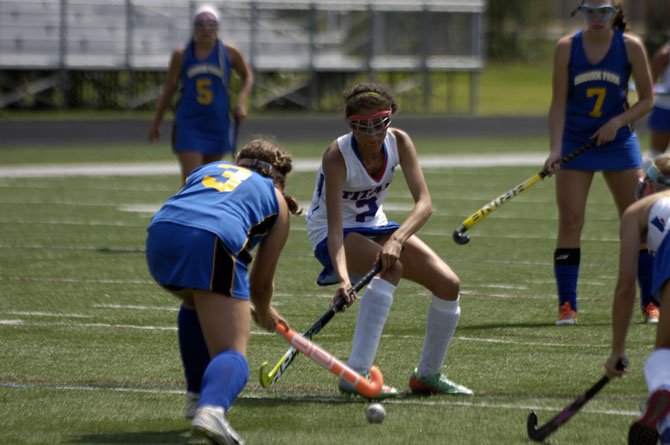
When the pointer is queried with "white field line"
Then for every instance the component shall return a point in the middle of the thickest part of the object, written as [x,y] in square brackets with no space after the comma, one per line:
[80,325]
[469,290]
[325,399]
[75,280]
[137,307]
[299,165]
[47,314]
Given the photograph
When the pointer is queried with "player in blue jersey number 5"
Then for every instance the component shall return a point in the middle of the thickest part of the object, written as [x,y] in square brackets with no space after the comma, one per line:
[202,130]
[199,248]
[592,68]
[348,231]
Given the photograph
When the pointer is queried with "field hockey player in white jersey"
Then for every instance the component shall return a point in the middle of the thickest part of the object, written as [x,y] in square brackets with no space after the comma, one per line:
[349,231]
[646,221]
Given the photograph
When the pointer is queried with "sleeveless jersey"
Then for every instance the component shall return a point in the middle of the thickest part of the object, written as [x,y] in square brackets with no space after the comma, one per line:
[362,195]
[657,226]
[203,105]
[597,92]
[236,204]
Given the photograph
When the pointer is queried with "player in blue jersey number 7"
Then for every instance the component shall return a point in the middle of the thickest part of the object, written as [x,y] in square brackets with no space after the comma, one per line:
[349,231]
[592,68]
[199,248]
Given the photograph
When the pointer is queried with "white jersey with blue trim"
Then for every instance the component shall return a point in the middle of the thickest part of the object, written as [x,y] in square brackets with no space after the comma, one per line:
[658,223]
[362,195]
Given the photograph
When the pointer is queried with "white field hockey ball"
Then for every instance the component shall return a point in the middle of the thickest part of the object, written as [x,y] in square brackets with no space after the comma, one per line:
[375,413]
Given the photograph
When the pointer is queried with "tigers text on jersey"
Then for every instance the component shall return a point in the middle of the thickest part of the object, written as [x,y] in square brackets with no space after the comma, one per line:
[236,204]
[362,195]
[597,92]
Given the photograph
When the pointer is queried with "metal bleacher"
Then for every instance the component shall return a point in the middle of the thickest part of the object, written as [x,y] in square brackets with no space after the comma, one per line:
[308,39]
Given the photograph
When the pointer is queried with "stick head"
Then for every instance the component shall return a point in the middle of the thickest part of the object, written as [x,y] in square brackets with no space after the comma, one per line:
[374,386]
[531,427]
[460,237]
[264,375]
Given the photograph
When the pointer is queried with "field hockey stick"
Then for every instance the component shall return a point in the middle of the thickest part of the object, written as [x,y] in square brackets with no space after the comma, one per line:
[539,434]
[270,378]
[459,234]
[367,388]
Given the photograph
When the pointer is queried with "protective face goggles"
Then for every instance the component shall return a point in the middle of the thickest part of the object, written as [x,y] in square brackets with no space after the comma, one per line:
[604,12]
[654,176]
[370,124]
[207,24]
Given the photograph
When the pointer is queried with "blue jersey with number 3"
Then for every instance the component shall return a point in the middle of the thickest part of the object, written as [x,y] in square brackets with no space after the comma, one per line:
[235,203]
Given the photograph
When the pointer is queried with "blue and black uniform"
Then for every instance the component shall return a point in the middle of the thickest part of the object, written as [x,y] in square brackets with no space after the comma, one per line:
[202,237]
[202,121]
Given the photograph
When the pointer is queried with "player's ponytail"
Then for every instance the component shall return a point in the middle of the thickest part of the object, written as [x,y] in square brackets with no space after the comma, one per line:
[619,21]
[267,158]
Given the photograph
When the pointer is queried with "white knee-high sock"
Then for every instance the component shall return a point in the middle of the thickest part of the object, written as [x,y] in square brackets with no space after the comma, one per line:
[372,313]
[657,370]
[441,324]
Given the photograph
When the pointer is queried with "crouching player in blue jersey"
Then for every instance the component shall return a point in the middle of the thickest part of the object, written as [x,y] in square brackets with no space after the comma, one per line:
[647,220]
[199,248]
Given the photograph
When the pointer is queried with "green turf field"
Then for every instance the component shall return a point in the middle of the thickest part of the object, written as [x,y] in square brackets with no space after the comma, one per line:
[89,341]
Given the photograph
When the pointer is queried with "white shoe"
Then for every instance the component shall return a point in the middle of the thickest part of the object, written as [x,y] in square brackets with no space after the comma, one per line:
[210,422]
[192,400]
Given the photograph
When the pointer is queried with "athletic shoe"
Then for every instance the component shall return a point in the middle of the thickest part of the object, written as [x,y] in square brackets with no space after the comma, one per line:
[436,384]
[645,429]
[651,314]
[566,315]
[664,430]
[386,392]
[191,406]
[210,422]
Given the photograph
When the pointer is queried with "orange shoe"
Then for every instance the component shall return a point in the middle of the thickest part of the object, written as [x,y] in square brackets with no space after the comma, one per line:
[566,315]
[651,313]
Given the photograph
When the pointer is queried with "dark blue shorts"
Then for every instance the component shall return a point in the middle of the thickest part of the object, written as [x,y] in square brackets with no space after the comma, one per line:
[659,119]
[327,275]
[661,273]
[181,257]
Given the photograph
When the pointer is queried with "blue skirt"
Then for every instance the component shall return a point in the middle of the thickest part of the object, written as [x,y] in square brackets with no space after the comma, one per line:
[181,257]
[620,154]
[327,275]
[661,268]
